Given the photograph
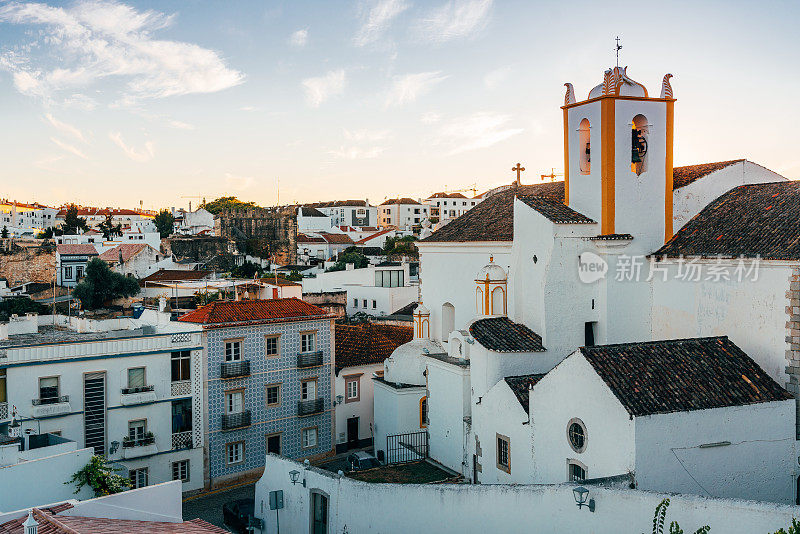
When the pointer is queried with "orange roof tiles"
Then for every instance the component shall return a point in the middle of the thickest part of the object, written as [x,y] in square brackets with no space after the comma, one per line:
[126,250]
[366,344]
[226,312]
[78,250]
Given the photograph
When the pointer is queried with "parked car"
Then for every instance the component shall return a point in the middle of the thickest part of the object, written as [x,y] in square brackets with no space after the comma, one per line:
[362,460]
[236,514]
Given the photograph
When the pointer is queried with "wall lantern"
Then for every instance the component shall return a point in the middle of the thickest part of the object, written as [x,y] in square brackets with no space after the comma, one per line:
[581,494]
[294,476]
[339,399]
[114,447]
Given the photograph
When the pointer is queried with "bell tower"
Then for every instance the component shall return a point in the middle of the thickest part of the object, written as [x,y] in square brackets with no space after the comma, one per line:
[618,157]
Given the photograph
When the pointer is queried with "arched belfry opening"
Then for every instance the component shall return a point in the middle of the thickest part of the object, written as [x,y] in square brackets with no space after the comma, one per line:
[640,132]
[585,147]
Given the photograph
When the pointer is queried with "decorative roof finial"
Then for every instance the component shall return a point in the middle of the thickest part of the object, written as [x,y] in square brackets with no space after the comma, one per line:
[569,98]
[617,49]
[666,87]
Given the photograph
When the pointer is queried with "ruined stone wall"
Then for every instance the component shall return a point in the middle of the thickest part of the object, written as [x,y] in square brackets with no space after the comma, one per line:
[28,264]
[263,232]
[211,251]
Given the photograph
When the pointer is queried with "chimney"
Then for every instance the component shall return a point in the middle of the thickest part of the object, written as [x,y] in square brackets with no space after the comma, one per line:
[30,524]
[162,304]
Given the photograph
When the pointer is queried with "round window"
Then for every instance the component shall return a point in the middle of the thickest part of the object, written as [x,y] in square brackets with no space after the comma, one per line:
[576,435]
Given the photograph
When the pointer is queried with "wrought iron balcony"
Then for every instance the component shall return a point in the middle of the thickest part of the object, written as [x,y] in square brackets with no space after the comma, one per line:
[235,420]
[148,439]
[182,440]
[50,400]
[310,407]
[309,359]
[234,369]
[140,389]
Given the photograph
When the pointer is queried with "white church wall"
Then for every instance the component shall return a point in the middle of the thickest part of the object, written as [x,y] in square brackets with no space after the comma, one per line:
[459,508]
[448,404]
[584,189]
[751,314]
[754,457]
[689,200]
[447,272]
[501,413]
[622,301]
[396,412]
[573,390]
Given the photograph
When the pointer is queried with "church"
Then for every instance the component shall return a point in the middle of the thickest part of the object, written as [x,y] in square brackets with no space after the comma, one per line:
[637,321]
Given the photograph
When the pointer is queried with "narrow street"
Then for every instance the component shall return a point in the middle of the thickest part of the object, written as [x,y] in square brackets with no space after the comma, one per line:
[208,506]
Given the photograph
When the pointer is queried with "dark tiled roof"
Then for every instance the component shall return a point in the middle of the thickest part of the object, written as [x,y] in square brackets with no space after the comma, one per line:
[493,219]
[687,174]
[308,211]
[338,203]
[366,344]
[253,311]
[303,238]
[404,200]
[408,309]
[682,375]
[501,334]
[520,386]
[555,210]
[749,220]
[174,275]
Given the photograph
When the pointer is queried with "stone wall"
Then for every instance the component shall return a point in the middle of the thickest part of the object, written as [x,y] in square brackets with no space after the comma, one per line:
[211,251]
[793,340]
[30,264]
[263,232]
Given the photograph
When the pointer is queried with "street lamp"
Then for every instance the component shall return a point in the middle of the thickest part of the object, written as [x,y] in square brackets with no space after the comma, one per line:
[581,494]
[294,476]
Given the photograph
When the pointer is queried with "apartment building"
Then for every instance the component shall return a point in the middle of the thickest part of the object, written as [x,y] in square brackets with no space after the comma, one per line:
[402,213]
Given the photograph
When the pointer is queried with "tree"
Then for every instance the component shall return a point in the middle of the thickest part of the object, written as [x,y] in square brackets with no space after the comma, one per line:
[674,528]
[99,476]
[4,233]
[793,529]
[72,221]
[350,255]
[101,285]
[294,276]
[165,223]
[109,229]
[248,269]
[401,246]
[215,207]
[20,306]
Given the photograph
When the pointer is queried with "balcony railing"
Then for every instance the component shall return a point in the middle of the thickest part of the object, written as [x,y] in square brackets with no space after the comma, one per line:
[127,442]
[140,389]
[181,388]
[309,359]
[50,400]
[310,407]
[234,369]
[3,410]
[182,440]
[235,420]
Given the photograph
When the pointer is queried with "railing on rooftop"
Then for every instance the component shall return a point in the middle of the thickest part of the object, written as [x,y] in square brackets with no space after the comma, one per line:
[310,407]
[50,400]
[235,420]
[234,369]
[309,359]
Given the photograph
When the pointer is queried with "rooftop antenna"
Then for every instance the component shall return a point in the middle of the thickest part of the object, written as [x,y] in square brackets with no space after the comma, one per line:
[617,49]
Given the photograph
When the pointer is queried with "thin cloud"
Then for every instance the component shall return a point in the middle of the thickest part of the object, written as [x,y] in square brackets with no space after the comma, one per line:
[92,40]
[65,128]
[407,88]
[68,148]
[238,182]
[319,89]
[179,125]
[456,19]
[472,132]
[299,39]
[430,117]
[375,20]
[142,156]
[361,144]
[497,77]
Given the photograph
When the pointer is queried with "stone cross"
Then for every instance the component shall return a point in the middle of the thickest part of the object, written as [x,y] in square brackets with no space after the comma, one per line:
[519,168]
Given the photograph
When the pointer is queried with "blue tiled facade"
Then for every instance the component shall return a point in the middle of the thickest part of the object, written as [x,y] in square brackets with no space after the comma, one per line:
[281,369]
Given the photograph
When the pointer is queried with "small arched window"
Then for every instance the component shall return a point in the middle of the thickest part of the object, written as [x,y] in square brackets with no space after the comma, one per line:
[639,137]
[479,301]
[498,301]
[584,147]
[423,412]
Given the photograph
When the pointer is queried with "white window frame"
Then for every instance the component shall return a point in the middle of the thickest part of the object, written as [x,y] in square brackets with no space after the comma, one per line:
[308,341]
[233,350]
[181,469]
[230,401]
[306,434]
[234,453]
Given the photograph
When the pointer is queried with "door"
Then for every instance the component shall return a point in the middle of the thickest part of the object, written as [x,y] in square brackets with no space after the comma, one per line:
[319,514]
[274,443]
[352,432]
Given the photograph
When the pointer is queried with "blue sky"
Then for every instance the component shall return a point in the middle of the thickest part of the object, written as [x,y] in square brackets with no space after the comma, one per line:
[109,103]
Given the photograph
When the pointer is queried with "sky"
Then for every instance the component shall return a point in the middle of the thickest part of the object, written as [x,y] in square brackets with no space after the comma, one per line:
[116,103]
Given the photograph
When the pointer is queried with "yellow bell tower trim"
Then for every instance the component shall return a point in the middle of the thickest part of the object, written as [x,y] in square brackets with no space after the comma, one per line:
[566,157]
[608,155]
[668,210]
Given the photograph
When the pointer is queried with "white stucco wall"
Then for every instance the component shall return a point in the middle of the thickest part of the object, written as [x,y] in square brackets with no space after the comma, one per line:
[362,408]
[584,189]
[459,508]
[689,200]
[751,314]
[448,404]
[396,412]
[573,390]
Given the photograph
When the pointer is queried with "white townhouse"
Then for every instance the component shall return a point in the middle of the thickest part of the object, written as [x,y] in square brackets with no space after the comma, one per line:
[403,213]
[449,206]
[130,389]
[348,212]
[20,218]
[71,262]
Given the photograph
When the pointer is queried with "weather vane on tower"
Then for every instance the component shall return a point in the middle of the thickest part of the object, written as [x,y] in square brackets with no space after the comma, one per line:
[617,49]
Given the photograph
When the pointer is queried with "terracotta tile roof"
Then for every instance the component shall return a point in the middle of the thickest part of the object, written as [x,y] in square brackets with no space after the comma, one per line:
[366,344]
[336,239]
[682,176]
[555,210]
[279,281]
[175,275]
[682,375]
[749,220]
[493,219]
[224,312]
[339,203]
[373,236]
[404,200]
[52,523]
[447,195]
[520,386]
[77,250]
[305,238]
[501,334]
[126,250]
